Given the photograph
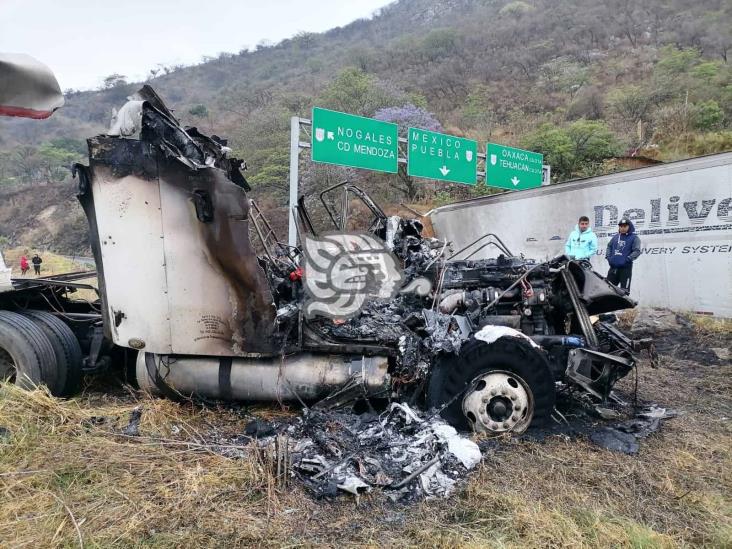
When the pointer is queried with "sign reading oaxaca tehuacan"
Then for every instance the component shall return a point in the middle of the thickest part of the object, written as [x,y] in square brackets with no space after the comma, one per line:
[511,168]
[440,156]
[355,141]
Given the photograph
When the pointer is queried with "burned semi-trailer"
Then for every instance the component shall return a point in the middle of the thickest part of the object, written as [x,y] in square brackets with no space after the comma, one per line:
[376,313]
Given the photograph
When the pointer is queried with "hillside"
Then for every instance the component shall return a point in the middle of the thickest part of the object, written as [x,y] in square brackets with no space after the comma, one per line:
[580,81]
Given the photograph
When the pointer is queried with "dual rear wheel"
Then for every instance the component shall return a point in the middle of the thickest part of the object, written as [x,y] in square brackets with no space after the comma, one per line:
[37,348]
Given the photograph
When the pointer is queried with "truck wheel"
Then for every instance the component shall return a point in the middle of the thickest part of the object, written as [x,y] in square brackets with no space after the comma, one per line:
[26,355]
[66,347]
[494,388]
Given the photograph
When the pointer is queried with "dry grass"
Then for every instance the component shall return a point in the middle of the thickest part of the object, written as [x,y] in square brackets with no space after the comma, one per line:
[710,326]
[53,264]
[62,467]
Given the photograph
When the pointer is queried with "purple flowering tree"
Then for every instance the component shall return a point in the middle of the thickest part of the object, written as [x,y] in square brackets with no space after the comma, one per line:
[409,116]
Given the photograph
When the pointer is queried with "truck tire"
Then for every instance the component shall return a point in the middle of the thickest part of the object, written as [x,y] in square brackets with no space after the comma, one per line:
[32,355]
[67,349]
[519,371]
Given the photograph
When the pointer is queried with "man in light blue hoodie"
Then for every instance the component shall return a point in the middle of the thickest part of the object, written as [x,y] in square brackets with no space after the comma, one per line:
[582,242]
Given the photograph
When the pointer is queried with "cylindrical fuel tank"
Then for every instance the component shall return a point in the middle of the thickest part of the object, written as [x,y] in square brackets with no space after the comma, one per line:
[306,376]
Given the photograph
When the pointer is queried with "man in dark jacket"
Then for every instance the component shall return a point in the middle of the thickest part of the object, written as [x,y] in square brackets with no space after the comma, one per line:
[36,260]
[622,250]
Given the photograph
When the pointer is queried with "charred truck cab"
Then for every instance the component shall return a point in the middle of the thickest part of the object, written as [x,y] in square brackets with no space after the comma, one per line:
[215,313]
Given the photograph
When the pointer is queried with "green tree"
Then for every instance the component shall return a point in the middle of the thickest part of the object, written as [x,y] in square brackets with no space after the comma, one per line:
[199,111]
[272,176]
[114,81]
[556,146]
[55,161]
[630,103]
[26,163]
[477,112]
[6,167]
[514,9]
[675,61]
[439,43]
[593,141]
[707,71]
[354,91]
[708,115]
[584,144]
[70,144]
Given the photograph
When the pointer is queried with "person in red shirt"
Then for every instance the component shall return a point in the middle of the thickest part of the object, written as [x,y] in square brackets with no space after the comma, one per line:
[24,266]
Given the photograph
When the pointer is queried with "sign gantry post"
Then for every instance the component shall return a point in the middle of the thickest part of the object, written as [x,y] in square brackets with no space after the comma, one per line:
[295,147]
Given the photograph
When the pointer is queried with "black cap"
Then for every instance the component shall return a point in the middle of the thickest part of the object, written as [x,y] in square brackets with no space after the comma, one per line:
[624,221]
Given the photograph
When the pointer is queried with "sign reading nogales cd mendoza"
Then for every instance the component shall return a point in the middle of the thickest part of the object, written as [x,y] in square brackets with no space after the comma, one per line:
[356,141]
[682,212]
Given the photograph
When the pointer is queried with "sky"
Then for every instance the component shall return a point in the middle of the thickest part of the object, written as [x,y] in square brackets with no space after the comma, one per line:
[83,41]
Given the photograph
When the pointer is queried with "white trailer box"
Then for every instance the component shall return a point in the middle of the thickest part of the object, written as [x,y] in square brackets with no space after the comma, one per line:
[681,211]
[4,275]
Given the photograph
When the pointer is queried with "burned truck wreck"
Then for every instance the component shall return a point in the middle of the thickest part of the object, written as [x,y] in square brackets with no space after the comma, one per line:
[193,278]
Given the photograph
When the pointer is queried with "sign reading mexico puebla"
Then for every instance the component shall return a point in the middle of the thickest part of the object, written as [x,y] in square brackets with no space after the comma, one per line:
[441,156]
[510,168]
[355,141]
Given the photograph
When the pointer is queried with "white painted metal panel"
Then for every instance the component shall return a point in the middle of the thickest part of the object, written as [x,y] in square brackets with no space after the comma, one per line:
[131,242]
[4,275]
[682,212]
[201,308]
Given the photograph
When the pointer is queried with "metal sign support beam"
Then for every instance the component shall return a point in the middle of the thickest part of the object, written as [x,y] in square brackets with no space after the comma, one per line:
[298,125]
[294,173]
[295,147]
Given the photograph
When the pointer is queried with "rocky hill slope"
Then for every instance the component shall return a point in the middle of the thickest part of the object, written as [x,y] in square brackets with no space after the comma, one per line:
[582,81]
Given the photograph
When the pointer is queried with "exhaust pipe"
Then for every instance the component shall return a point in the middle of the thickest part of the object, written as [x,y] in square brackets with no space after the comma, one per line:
[305,376]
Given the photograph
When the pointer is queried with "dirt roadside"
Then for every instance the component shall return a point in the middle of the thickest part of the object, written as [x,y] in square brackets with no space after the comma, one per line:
[69,474]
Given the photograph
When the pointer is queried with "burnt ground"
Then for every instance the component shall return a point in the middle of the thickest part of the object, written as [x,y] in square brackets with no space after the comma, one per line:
[73,471]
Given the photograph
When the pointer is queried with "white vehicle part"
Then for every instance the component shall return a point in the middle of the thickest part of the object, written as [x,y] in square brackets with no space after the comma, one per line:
[499,402]
[28,88]
[128,120]
[490,333]
[462,448]
[165,292]
[304,376]
[452,302]
[169,225]
[682,212]
[5,271]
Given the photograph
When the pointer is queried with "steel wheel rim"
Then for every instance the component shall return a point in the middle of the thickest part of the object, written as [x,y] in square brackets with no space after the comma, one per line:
[497,402]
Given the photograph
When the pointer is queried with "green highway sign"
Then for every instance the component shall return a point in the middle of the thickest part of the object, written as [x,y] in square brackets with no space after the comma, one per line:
[355,141]
[510,168]
[440,156]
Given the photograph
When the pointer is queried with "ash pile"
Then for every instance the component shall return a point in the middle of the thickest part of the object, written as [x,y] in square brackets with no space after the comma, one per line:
[408,454]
